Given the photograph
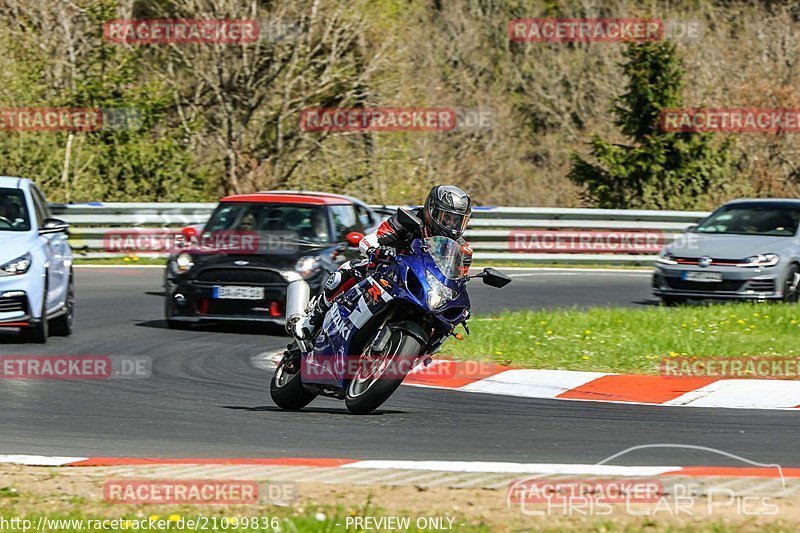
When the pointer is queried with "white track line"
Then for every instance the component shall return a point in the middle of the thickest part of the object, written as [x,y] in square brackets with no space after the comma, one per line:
[39,460]
[515,468]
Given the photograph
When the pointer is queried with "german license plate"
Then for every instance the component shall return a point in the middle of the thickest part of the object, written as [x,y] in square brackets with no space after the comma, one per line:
[709,277]
[228,292]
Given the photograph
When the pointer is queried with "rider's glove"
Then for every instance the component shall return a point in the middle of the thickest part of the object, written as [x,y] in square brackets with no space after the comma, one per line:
[382,252]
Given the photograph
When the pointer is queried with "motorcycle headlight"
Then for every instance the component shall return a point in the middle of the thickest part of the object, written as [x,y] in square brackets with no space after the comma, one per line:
[184,262]
[666,258]
[438,294]
[20,265]
[761,260]
[306,266]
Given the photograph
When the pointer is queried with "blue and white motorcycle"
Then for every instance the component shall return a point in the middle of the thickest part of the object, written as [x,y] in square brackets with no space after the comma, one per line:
[398,315]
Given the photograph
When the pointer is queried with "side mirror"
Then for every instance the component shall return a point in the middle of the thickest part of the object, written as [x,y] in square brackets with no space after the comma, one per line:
[691,228]
[408,221]
[494,278]
[53,225]
[353,238]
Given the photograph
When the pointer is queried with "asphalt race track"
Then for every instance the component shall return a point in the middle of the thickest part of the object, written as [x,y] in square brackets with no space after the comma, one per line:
[205,398]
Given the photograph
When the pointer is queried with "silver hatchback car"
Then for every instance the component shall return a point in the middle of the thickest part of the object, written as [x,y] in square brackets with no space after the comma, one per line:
[746,249]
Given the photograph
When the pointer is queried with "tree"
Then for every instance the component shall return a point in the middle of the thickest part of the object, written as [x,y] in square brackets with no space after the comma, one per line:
[658,170]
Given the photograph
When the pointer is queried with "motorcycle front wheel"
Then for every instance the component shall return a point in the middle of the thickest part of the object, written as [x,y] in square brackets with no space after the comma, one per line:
[379,374]
[287,389]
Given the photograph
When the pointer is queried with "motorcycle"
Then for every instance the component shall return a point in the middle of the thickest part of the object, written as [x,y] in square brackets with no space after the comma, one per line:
[376,332]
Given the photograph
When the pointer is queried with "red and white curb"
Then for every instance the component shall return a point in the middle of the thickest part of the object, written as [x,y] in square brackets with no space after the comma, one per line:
[480,467]
[492,378]
[471,376]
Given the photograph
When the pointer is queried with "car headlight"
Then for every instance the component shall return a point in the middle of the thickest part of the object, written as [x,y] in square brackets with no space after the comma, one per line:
[438,294]
[306,266]
[184,262]
[20,265]
[761,260]
[666,258]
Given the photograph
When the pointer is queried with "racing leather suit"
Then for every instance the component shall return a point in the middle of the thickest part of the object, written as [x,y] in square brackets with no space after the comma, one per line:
[390,234]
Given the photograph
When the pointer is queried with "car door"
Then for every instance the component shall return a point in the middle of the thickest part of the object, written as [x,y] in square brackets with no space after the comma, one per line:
[55,249]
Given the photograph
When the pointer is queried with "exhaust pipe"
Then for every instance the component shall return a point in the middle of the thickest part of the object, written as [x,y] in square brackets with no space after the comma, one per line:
[298,294]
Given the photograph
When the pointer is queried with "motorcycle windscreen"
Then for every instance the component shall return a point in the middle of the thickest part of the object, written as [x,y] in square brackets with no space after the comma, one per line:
[447,256]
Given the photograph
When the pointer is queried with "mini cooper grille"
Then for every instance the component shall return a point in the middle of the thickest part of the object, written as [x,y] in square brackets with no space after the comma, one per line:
[258,276]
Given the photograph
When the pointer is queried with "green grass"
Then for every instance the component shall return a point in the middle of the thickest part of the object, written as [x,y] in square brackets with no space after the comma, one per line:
[630,340]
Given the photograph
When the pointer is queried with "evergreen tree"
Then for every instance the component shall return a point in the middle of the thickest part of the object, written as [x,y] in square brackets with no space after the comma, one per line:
[658,169]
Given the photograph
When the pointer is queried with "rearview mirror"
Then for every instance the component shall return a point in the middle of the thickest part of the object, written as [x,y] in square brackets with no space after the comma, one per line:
[408,221]
[53,225]
[353,238]
[494,278]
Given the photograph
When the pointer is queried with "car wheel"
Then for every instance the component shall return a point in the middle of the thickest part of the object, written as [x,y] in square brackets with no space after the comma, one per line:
[38,332]
[64,324]
[672,301]
[790,286]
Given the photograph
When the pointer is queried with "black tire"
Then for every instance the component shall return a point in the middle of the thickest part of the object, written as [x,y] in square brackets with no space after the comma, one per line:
[287,390]
[791,291]
[402,350]
[38,332]
[673,301]
[171,323]
[63,325]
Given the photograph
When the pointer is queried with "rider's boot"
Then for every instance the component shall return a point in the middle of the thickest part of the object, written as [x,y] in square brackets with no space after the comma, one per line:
[309,325]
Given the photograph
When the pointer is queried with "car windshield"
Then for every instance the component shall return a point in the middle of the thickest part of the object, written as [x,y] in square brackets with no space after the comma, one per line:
[778,220]
[305,223]
[13,211]
[448,257]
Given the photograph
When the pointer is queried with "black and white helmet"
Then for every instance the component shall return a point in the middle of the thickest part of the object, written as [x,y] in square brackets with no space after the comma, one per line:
[447,210]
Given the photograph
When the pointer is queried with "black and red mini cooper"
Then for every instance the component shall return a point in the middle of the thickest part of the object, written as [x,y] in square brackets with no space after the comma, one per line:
[237,265]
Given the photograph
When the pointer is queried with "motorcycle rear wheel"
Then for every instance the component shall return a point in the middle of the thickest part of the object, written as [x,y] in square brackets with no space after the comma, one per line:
[379,375]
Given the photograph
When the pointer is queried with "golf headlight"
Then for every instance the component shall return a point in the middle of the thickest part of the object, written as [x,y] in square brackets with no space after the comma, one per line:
[666,258]
[184,262]
[306,266]
[438,294]
[20,265]
[761,260]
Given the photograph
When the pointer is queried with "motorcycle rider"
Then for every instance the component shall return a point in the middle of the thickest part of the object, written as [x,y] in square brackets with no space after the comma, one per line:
[445,213]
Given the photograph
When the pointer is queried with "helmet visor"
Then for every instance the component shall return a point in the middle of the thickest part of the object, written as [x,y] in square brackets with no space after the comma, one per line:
[450,219]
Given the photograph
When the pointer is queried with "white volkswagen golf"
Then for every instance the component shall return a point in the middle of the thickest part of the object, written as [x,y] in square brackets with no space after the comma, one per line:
[37,291]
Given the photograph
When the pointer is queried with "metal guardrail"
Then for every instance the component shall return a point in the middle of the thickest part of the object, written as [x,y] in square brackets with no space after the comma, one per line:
[490,230]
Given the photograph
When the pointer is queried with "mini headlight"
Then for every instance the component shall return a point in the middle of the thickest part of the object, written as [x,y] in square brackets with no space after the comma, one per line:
[20,265]
[438,294]
[761,260]
[306,266]
[184,262]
